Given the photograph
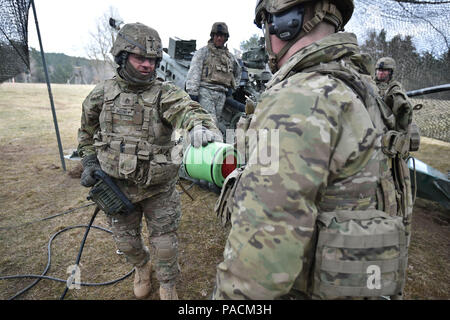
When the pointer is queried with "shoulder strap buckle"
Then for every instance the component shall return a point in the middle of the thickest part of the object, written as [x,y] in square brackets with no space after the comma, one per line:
[395,143]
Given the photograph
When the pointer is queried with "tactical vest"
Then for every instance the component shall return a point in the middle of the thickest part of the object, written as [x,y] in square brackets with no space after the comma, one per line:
[218,67]
[132,142]
[361,242]
[395,101]
[383,88]
[363,252]
[395,98]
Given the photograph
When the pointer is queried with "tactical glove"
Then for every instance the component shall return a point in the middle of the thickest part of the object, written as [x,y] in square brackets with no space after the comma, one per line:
[200,136]
[90,164]
[195,98]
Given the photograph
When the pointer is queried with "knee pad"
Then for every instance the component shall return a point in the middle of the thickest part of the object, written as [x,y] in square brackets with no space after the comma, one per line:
[165,247]
[133,247]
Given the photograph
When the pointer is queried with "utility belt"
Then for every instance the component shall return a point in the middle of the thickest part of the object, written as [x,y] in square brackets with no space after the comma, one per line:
[136,160]
[218,87]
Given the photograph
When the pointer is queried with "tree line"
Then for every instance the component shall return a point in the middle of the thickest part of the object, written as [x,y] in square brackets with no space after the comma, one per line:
[64,69]
[413,69]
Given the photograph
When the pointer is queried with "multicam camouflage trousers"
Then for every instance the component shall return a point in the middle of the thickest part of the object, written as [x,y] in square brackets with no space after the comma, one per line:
[212,101]
[162,214]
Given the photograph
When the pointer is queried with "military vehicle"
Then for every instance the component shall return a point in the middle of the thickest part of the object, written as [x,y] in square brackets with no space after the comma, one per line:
[428,182]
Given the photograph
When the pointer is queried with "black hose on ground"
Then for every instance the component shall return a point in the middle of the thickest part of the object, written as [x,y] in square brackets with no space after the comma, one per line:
[43,275]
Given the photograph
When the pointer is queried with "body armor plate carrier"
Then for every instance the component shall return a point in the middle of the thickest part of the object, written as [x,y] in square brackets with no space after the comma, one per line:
[133,143]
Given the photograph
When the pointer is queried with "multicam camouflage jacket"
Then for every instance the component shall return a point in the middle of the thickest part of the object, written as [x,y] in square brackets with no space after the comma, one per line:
[395,97]
[330,166]
[130,130]
[203,70]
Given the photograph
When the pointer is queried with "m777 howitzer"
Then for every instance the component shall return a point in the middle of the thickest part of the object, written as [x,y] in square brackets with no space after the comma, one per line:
[175,66]
[429,183]
[176,60]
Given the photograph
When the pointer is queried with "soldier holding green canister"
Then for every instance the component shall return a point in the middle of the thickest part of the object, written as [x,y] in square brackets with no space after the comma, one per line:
[126,130]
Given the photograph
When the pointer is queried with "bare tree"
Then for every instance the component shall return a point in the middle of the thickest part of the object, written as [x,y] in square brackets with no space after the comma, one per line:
[101,41]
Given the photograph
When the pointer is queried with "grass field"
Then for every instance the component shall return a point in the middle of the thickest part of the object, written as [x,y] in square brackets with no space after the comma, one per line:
[33,186]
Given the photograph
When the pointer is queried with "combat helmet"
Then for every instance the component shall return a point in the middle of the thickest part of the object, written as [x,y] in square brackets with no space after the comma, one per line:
[139,39]
[385,63]
[287,20]
[219,27]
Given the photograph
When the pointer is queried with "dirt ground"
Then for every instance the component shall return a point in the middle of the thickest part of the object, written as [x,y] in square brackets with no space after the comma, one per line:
[33,186]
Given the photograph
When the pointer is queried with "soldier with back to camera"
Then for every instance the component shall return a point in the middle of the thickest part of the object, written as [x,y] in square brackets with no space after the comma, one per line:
[334,220]
[126,130]
[213,74]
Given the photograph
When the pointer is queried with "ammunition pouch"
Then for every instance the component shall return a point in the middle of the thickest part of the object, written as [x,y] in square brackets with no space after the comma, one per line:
[396,143]
[359,254]
[142,163]
[401,143]
[108,196]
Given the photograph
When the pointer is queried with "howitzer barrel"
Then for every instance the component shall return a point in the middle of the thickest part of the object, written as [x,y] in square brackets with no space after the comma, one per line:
[431,183]
[429,90]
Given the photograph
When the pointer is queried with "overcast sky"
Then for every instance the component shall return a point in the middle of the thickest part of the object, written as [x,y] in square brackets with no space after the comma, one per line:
[65,25]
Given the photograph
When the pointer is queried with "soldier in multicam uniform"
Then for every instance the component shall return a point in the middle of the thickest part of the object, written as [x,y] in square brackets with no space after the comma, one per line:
[392,92]
[334,220]
[213,74]
[126,130]
[396,99]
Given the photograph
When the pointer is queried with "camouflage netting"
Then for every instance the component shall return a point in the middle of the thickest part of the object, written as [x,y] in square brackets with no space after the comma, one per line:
[13,38]
[416,34]
[434,118]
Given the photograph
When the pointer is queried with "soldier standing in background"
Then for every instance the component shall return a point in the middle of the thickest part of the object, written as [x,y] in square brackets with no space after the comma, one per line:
[334,220]
[392,92]
[126,130]
[213,74]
